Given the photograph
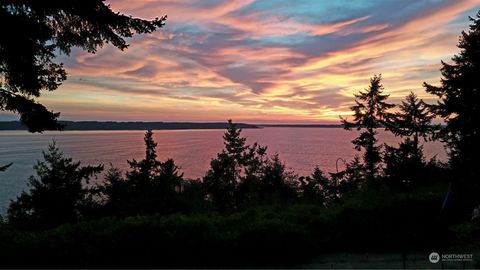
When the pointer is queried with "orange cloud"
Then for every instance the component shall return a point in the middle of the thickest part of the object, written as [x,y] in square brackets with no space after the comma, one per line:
[239,59]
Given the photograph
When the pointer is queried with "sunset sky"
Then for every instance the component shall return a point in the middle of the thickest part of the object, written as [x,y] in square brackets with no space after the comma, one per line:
[263,61]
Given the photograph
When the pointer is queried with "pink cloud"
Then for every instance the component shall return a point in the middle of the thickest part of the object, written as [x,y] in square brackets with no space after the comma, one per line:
[223,60]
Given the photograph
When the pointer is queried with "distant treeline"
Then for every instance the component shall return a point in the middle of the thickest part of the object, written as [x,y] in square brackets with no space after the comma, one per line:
[304,125]
[112,125]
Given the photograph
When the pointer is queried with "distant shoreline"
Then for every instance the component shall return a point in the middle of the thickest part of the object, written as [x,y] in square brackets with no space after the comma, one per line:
[114,125]
[303,125]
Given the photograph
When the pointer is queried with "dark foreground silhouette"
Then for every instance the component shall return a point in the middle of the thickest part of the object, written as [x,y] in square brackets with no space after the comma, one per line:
[248,211]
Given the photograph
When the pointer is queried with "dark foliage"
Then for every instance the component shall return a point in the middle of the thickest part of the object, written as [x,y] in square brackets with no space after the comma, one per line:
[370,113]
[36,32]
[56,195]
[459,106]
[277,185]
[4,167]
[243,175]
[249,189]
[149,187]
[352,179]
[259,237]
[405,165]
[222,179]
[459,96]
[318,188]
[414,120]
[32,114]
[299,217]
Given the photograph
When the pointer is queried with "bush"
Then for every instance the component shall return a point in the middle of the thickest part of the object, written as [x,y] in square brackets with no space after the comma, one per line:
[258,237]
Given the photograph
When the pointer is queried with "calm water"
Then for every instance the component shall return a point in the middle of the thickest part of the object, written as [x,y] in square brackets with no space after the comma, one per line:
[300,148]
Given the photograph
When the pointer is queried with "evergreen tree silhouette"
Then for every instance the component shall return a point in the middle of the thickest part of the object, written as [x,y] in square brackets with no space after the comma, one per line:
[459,105]
[144,172]
[243,175]
[317,187]
[149,187]
[235,145]
[278,185]
[223,176]
[249,188]
[370,113]
[55,194]
[351,179]
[115,194]
[412,122]
[168,186]
[37,32]
[169,177]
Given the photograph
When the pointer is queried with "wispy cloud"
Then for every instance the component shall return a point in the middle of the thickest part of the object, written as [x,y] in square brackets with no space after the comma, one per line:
[261,61]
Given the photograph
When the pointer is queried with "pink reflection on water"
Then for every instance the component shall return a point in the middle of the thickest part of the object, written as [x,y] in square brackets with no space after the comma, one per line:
[300,148]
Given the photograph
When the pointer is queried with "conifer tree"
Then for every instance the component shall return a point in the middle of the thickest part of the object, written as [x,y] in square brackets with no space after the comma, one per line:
[351,179]
[40,30]
[370,113]
[243,174]
[405,165]
[220,182]
[222,178]
[169,177]
[414,121]
[317,187]
[115,193]
[234,176]
[144,172]
[168,185]
[235,145]
[459,103]
[278,185]
[55,194]
[248,190]
[150,187]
